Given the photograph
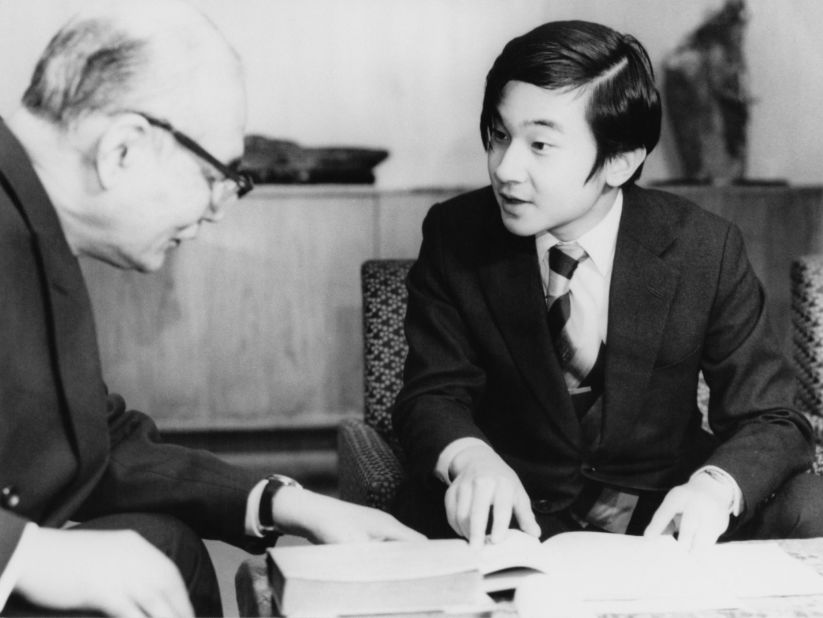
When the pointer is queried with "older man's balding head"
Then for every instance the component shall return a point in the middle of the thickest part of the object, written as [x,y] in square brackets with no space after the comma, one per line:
[158,56]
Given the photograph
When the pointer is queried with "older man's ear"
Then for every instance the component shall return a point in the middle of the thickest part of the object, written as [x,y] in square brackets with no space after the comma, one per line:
[124,144]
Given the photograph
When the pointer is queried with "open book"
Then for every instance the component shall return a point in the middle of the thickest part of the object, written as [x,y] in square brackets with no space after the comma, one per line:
[641,574]
[609,571]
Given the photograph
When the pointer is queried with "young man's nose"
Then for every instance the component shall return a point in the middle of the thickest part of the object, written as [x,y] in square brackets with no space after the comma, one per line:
[510,165]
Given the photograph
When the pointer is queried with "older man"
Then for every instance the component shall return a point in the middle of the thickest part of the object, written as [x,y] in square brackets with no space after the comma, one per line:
[126,141]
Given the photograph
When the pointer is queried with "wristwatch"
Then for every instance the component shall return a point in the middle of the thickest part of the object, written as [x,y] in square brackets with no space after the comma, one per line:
[264,515]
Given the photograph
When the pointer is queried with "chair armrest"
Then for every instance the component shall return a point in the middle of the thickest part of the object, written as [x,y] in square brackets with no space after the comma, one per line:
[816,422]
[817,464]
[369,470]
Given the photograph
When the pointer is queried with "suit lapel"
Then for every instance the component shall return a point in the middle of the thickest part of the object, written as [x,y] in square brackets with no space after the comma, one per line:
[73,332]
[510,281]
[642,287]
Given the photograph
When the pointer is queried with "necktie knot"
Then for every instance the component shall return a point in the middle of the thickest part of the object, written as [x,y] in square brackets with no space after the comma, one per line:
[563,261]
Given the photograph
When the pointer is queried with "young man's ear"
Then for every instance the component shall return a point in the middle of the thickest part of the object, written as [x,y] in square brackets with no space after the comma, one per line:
[123,144]
[620,167]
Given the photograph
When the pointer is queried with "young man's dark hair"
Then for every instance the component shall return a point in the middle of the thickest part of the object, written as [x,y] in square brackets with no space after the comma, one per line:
[624,106]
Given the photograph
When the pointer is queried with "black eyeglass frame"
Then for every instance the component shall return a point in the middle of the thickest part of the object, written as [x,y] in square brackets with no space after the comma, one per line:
[241,179]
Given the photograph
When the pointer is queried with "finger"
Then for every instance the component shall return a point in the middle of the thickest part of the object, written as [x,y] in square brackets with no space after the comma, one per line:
[501,514]
[703,537]
[178,601]
[688,530]
[525,516]
[122,606]
[157,607]
[450,501]
[707,534]
[462,512]
[662,517]
[482,500]
[166,595]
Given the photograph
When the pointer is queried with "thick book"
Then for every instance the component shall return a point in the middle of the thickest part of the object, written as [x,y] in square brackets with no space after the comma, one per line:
[376,578]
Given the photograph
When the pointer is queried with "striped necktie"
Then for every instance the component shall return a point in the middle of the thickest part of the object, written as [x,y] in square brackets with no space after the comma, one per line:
[576,339]
[581,351]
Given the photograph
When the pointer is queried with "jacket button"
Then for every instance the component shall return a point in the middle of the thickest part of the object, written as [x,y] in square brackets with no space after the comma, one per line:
[542,506]
[9,498]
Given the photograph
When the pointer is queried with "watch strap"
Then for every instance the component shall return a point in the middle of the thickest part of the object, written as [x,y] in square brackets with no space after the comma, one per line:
[274,483]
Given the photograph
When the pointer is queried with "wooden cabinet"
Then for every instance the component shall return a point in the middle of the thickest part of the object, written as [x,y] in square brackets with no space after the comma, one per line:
[256,324]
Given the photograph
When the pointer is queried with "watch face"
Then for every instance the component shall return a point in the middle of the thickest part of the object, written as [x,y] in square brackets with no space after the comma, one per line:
[284,480]
[265,515]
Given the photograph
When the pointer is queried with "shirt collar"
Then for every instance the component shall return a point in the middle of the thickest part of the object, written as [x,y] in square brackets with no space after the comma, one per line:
[599,242]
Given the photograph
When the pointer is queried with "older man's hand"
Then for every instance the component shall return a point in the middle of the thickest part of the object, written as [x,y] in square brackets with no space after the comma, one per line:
[327,520]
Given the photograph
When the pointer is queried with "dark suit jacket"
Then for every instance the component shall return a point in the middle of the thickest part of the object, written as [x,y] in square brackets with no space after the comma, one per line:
[683,299]
[69,450]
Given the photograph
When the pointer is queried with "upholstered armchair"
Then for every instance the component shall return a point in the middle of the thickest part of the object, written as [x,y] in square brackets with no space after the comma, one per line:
[370,468]
[370,464]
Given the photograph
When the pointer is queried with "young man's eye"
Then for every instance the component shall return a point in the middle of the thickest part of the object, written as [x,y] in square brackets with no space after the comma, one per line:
[497,136]
[541,146]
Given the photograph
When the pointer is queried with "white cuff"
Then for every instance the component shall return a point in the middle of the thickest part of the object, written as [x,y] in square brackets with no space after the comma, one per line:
[8,578]
[444,461]
[723,477]
[253,510]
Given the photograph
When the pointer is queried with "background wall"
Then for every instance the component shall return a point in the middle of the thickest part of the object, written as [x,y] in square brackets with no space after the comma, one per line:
[407,75]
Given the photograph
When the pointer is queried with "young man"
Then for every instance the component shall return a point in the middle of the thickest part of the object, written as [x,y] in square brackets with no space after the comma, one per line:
[121,150]
[559,319]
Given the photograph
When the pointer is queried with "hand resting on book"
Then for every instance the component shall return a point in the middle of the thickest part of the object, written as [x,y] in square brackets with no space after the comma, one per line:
[326,520]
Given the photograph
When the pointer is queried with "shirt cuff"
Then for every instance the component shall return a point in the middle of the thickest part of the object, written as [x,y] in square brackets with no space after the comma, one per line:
[8,578]
[444,461]
[723,477]
[253,510]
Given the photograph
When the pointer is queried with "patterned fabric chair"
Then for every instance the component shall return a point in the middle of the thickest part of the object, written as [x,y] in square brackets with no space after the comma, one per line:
[370,465]
[807,331]
[370,460]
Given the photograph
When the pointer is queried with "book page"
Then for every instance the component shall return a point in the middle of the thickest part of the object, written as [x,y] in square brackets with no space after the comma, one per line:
[589,572]
[759,569]
[603,566]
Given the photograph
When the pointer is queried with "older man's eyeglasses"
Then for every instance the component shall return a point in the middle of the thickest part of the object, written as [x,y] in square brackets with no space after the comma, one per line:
[234,183]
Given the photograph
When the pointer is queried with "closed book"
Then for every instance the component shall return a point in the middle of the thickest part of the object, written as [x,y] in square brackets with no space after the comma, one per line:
[375,578]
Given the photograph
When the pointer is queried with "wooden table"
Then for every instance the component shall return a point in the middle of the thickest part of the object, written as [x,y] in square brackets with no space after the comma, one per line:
[254,593]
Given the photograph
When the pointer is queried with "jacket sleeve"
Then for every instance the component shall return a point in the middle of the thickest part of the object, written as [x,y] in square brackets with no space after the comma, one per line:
[11,529]
[146,474]
[442,378]
[763,440]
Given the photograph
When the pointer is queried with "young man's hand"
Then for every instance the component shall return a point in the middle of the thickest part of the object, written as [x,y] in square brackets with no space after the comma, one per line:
[698,510]
[483,482]
[327,520]
[117,573]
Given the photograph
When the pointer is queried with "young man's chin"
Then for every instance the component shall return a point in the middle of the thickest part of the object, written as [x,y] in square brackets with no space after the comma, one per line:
[520,226]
